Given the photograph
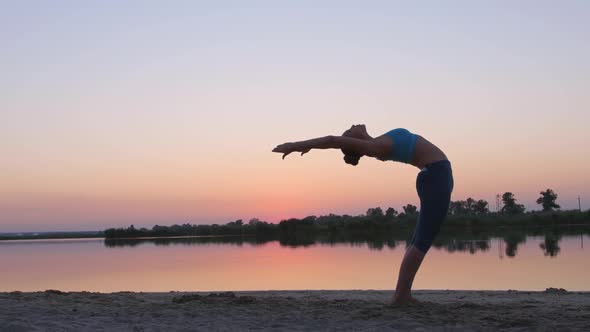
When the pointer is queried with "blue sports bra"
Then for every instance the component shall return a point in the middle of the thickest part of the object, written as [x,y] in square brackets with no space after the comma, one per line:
[404,144]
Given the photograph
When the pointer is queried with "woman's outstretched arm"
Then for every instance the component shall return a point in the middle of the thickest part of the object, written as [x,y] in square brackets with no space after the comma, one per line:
[372,148]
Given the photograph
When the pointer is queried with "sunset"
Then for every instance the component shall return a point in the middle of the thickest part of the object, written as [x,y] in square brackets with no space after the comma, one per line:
[151,113]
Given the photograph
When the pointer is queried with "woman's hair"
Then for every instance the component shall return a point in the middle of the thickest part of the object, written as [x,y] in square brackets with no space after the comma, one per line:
[351,157]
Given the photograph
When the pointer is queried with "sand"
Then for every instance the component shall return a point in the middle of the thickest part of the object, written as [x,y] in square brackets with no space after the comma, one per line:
[551,310]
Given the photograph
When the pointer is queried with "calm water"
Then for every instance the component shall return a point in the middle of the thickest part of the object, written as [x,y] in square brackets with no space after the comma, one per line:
[93,265]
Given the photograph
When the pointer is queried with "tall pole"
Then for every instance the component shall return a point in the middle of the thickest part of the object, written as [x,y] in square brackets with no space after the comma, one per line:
[497,202]
[579,204]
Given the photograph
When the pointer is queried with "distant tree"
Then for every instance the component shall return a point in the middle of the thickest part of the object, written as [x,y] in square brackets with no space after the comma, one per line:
[110,233]
[469,205]
[375,212]
[254,221]
[547,200]
[391,213]
[458,207]
[310,219]
[481,207]
[510,205]
[410,209]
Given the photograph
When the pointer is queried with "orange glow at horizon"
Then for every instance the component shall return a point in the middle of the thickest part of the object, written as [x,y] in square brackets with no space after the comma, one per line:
[270,190]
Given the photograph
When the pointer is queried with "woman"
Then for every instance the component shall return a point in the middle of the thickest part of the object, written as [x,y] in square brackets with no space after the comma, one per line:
[434,184]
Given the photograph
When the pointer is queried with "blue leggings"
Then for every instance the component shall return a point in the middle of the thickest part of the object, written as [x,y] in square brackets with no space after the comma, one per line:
[434,185]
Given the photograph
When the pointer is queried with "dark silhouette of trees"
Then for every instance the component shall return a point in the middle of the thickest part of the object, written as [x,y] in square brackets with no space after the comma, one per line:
[547,200]
[481,207]
[469,203]
[391,213]
[375,212]
[458,208]
[372,225]
[254,221]
[469,218]
[469,206]
[510,205]
[410,210]
[258,228]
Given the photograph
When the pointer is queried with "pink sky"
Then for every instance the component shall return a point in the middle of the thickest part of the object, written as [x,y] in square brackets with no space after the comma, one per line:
[168,115]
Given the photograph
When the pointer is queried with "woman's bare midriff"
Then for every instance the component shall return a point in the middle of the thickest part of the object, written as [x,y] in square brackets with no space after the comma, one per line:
[426,153]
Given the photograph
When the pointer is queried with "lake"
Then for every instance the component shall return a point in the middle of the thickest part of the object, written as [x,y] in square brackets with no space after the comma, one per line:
[533,263]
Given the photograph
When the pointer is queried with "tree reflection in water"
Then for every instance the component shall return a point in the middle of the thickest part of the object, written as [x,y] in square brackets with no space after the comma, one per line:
[550,246]
[512,241]
[471,242]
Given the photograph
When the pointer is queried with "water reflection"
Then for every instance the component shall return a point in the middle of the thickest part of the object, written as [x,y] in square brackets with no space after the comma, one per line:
[551,245]
[471,246]
[167,241]
[463,260]
[470,242]
[241,240]
[512,241]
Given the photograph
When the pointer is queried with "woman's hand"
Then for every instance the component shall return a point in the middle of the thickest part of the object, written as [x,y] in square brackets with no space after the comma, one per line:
[287,148]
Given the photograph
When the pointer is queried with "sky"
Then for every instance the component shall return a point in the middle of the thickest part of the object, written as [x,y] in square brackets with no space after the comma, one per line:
[144,112]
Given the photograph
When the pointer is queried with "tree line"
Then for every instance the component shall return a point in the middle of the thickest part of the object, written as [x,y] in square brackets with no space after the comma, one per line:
[547,200]
[374,224]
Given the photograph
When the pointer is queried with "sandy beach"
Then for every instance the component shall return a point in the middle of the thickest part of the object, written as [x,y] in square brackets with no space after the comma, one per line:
[553,309]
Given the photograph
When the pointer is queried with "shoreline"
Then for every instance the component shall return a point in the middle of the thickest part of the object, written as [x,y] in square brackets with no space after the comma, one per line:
[295,310]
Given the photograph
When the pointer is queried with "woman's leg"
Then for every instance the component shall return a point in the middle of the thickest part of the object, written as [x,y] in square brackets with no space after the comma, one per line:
[432,214]
[434,188]
[407,271]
